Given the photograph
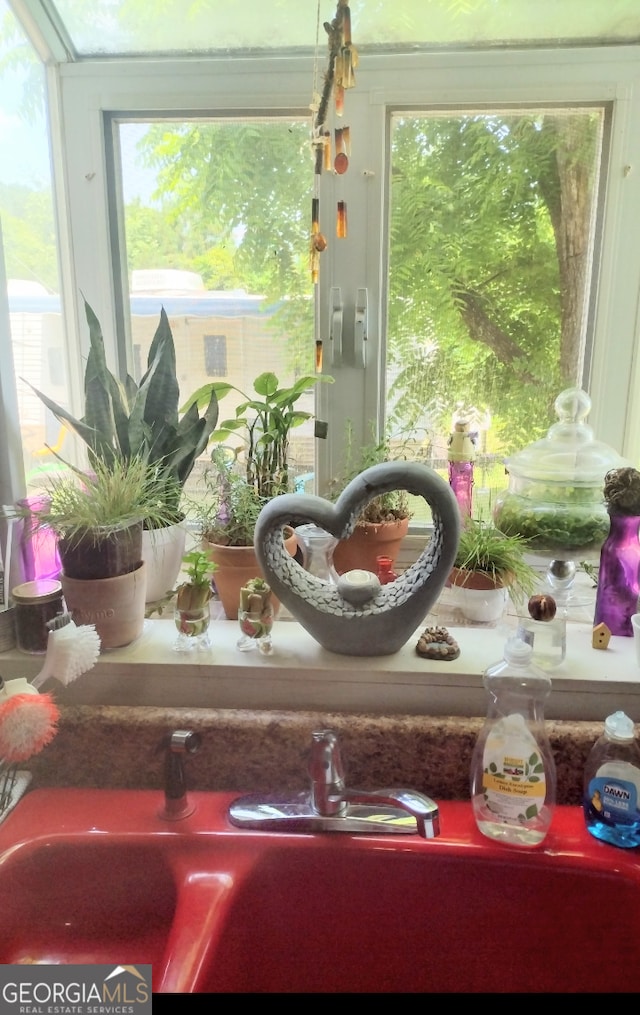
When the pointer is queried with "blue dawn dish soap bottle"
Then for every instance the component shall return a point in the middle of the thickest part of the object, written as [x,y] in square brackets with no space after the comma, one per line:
[612,784]
[513,774]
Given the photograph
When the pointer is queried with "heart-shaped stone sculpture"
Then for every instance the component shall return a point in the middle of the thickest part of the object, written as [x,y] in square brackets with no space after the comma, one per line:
[384,623]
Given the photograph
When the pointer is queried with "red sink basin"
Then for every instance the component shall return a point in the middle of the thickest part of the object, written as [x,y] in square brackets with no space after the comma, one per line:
[86,902]
[98,876]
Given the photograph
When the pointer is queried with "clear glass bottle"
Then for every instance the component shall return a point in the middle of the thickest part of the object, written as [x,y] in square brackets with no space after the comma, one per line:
[513,773]
[555,495]
[612,784]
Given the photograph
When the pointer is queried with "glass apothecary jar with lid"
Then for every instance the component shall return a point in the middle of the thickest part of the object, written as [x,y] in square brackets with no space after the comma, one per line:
[555,497]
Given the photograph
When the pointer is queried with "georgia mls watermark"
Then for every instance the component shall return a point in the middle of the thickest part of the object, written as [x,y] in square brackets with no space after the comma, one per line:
[33,989]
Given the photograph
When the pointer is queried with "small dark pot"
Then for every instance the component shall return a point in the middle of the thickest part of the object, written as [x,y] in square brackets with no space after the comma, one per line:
[97,554]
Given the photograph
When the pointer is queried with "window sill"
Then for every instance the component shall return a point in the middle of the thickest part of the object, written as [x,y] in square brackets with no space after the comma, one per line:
[299,675]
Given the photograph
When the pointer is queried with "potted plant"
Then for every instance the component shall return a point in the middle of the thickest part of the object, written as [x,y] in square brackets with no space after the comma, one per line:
[488,566]
[124,421]
[227,513]
[242,479]
[192,613]
[98,519]
[263,421]
[385,520]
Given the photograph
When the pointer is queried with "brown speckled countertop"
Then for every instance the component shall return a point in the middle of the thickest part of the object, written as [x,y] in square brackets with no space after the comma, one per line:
[244,751]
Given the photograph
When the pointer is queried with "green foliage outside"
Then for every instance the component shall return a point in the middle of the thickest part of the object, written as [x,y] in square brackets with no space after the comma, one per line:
[479,263]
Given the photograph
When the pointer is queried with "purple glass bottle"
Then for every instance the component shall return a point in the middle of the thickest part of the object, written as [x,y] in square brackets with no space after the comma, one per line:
[619,575]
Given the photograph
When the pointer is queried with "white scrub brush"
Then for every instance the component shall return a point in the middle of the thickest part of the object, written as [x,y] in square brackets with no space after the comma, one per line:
[71,651]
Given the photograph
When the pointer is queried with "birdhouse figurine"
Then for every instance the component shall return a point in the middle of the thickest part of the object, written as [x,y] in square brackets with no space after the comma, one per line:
[601,636]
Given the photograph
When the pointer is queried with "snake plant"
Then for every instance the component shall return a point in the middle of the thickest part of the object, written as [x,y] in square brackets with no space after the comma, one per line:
[125,421]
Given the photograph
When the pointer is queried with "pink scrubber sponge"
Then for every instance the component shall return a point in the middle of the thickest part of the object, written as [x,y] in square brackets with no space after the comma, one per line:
[28,722]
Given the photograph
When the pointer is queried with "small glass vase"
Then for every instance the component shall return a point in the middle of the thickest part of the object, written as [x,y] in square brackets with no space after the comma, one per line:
[193,629]
[619,576]
[256,630]
[317,552]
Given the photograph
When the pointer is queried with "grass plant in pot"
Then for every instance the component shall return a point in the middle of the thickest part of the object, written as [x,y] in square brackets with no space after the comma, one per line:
[242,479]
[98,520]
[124,421]
[490,566]
[384,522]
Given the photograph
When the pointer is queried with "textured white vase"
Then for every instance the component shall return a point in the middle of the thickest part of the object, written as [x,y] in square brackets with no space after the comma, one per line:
[162,552]
[482,605]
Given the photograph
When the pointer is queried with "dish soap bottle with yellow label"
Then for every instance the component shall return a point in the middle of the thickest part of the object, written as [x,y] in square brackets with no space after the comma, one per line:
[513,774]
[612,784]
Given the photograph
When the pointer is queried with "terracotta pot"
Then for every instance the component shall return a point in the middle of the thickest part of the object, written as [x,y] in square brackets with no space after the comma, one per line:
[474,579]
[236,565]
[162,552]
[115,605]
[367,542]
[102,554]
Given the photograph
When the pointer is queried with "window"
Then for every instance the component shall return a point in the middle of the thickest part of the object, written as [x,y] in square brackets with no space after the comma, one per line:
[230,143]
[213,230]
[569,88]
[182,177]
[493,232]
[215,355]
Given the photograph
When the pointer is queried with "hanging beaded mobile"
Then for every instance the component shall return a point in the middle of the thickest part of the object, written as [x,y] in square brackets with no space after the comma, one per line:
[339,76]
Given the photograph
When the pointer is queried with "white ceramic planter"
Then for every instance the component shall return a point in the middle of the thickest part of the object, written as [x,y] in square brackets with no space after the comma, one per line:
[482,605]
[162,552]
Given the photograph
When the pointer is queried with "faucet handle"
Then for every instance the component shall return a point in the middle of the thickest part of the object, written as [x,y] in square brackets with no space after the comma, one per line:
[327,773]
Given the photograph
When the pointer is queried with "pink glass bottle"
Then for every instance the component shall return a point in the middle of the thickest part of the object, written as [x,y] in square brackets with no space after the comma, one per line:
[462,453]
[461,482]
[619,575]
